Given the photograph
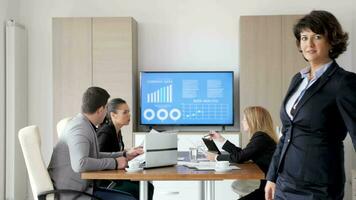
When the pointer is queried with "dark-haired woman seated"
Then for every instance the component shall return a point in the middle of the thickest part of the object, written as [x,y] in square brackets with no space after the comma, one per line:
[110,140]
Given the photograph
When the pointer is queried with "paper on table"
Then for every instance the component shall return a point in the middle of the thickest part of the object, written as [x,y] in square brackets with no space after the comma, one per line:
[142,144]
[202,165]
[140,158]
[153,131]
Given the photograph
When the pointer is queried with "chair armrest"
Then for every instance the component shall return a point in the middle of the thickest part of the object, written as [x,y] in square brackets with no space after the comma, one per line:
[42,195]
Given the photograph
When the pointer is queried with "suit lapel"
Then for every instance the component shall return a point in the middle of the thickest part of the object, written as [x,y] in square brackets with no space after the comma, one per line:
[93,136]
[316,86]
[292,88]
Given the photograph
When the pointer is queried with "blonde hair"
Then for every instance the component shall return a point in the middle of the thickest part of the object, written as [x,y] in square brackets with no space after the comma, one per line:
[259,119]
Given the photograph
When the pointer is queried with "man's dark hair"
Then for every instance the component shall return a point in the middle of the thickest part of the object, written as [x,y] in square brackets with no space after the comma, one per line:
[324,23]
[93,99]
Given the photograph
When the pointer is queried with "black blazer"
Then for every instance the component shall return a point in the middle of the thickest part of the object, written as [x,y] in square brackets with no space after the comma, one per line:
[311,147]
[260,150]
[109,141]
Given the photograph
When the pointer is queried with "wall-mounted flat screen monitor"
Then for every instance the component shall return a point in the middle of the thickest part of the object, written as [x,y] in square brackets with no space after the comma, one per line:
[187,98]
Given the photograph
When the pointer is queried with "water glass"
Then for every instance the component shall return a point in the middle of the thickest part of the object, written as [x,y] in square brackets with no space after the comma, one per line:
[193,154]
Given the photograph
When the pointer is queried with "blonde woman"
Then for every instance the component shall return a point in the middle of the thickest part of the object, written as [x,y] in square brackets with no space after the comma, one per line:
[257,122]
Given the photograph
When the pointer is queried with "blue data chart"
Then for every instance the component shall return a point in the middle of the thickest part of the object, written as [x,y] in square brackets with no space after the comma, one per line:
[187,98]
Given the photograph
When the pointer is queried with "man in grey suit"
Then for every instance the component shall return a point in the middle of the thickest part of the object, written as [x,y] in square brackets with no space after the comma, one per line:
[78,151]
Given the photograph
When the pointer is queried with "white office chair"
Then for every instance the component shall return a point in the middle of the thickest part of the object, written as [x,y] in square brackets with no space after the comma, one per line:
[41,184]
[62,124]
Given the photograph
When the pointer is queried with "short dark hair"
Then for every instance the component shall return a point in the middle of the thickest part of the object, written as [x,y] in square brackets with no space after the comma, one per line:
[93,99]
[325,23]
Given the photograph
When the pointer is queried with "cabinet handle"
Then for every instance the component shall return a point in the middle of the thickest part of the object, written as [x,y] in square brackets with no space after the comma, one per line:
[172,193]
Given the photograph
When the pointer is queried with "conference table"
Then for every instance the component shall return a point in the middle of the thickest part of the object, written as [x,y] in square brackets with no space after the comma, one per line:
[179,173]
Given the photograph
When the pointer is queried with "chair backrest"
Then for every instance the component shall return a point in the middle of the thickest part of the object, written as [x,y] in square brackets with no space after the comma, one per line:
[62,124]
[30,141]
[244,187]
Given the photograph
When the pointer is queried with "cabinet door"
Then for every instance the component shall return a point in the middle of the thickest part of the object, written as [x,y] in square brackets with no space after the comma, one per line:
[72,67]
[113,60]
[292,59]
[260,64]
[269,58]
[176,190]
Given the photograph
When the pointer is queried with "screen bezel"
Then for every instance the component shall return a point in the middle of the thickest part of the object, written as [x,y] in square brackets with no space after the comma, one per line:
[195,124]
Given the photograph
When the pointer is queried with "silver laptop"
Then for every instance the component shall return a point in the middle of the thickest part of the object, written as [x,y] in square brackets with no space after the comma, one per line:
[160,149]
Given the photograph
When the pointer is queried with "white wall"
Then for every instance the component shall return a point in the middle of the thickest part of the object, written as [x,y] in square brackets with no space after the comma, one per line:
[352,150]
[172,34]
[8,9]
[198,34]
[3,5]
[353,44]
[16,109]
[350,155]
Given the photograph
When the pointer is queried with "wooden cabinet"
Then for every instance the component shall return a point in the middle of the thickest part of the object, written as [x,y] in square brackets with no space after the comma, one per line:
[72,64]
[94,52]
[268,60]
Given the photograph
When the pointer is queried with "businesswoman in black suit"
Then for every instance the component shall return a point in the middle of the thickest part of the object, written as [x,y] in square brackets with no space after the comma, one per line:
[110,140]
[258,123]
[317,112]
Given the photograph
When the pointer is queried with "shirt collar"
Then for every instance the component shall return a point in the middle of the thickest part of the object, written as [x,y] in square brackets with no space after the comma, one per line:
[304,72]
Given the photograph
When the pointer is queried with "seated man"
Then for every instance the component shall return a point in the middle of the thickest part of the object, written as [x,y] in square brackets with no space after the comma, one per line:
[78,151]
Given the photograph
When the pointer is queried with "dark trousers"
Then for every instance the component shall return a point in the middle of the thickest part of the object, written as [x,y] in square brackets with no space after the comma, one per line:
[110,194]
[258,194]
[289,190]
[131,187]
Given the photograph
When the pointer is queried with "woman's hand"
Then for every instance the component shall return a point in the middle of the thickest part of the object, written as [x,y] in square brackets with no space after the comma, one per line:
[216,136]
[211,156]
[133,152]
[270,188]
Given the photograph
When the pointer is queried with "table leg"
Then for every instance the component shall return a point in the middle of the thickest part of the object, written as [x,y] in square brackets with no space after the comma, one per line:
[202,190]
[143,190]
[209,190]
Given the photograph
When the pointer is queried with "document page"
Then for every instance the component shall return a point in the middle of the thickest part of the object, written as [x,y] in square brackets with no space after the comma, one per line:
[202,165]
